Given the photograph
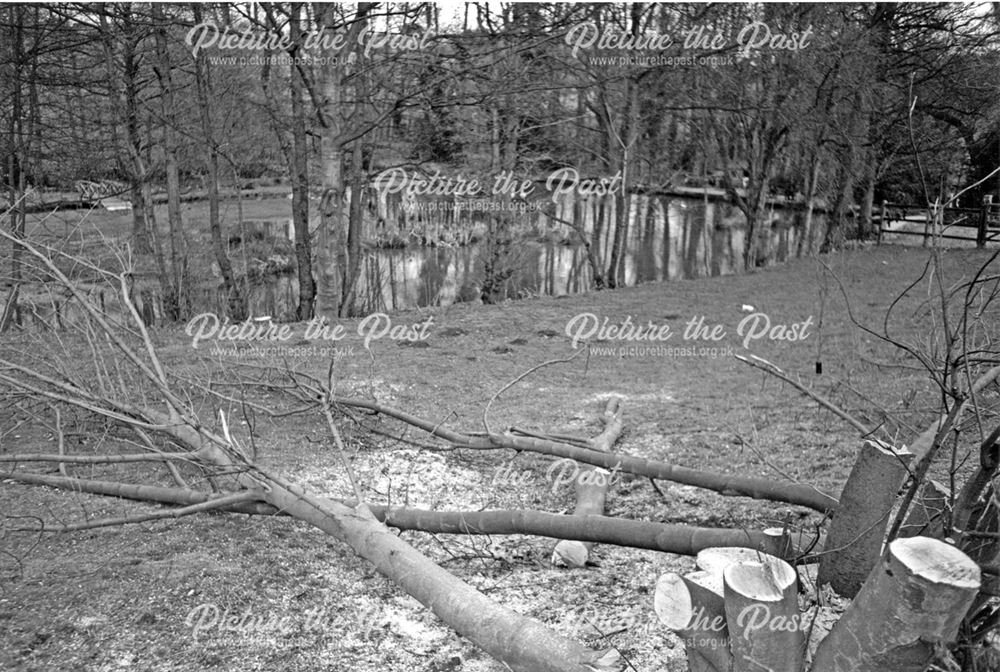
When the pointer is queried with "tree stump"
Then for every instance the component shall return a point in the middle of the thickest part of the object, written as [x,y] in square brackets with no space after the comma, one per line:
[912,600]
[695,609]
[762,613]
[855,539]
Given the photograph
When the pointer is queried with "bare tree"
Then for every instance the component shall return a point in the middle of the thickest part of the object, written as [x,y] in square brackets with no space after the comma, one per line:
[203,81]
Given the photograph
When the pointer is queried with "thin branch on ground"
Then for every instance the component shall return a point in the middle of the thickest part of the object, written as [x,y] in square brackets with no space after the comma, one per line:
[537,367]
[768,367]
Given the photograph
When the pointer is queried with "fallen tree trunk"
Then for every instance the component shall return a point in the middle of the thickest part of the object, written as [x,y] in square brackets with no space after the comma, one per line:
[591,486]
[521,642]
[668,538]
[118,393]
[725,484]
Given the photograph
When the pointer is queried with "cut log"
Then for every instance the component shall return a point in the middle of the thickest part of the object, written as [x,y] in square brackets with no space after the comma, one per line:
[591,493]
[914,599]
[762,615]
[706,589]
[522,643]
[715,560]
[854,542]
[591,485]
[780,543]
[697,614]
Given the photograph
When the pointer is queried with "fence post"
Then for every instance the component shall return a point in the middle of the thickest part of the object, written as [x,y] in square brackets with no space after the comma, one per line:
[881,223]
[983,221]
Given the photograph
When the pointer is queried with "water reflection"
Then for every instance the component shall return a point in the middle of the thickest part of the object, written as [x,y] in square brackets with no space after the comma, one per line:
[668,238]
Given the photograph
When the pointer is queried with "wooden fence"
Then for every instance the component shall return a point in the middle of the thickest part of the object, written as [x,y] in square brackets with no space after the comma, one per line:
[937,223]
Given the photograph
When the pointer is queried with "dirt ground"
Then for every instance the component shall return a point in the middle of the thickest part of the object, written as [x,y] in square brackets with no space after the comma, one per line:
[233,592]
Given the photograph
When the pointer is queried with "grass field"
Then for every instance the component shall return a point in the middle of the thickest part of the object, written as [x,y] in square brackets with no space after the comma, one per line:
[141,597]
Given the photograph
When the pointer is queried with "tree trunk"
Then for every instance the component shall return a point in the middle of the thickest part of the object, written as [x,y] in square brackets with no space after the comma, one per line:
[836,216]
[332,221]
[596,249]
[122,97]
[806,236]
[235,301]
[332,256]
[300,182]
[15,172]
[625,143]
[178,243]
[663,537]
[354,229]
[866,227]
[915,598]
[494,140]
[859,525]
[616,264]
[520,642]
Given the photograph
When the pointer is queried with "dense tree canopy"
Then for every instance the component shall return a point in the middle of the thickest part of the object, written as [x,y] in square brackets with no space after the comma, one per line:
[839,104]
[551,84]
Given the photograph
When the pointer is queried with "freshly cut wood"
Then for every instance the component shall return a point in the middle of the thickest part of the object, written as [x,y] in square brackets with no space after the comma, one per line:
[698,616]
[854,542]
[591,493]
[762,614]
[781,542]
[706,590]
[591,485]
[926,516]
[913,600]
[715,560]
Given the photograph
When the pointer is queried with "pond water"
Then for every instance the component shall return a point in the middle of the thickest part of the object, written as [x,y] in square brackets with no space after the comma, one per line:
[669,238]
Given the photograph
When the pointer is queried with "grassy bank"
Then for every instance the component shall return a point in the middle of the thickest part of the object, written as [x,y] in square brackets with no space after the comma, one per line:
[134,597]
